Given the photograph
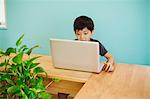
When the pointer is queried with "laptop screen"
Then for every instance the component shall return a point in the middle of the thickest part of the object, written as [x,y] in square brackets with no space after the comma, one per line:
[75,55]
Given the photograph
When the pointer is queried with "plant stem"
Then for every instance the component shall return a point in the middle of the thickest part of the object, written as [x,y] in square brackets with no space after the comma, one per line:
[49,84]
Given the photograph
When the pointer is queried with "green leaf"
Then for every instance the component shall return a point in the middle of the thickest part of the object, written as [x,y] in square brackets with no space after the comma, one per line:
[32,95]
[2,64]
[22,47]
[25,49]
[40,82]
[13,89]
[19,41]
[26,89]
[26,73]
[34,58]
[18,58]
[2,97]
[10,81]
[3,88]
[4,77]
[33,65]
[38,70]
[20,69]
[30,64]
[44,95]
[24,96]
[37,89]
[10,50]
[2,52]
[14,67]
[7,62]
[20,81]
[33,81]
[30,50]
[56,79]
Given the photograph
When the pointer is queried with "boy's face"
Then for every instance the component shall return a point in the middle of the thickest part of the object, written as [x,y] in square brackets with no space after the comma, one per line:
[84,34]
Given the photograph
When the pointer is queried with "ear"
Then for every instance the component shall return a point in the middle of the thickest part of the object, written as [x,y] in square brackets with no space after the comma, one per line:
[93,31]
[75,31]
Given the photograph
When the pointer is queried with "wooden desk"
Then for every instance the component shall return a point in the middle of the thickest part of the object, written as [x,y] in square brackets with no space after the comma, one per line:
[126,82]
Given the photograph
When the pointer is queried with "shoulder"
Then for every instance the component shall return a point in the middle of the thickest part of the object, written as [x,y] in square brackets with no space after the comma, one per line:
[94,40]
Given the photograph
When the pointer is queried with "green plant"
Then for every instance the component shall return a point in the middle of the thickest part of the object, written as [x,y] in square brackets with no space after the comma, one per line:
[16,79]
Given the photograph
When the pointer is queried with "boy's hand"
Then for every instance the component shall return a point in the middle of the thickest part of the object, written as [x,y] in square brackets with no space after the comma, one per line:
[108,67]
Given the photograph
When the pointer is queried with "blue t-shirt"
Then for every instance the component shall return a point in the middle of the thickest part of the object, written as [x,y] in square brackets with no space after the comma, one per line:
[102,50]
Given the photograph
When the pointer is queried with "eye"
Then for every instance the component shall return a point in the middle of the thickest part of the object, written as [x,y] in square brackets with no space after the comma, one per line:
[77,34]
[85,33]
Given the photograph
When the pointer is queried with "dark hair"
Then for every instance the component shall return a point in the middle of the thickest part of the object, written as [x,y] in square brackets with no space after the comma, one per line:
[83,22]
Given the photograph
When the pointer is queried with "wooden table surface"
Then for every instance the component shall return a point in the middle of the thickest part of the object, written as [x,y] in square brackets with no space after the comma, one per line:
[126,82]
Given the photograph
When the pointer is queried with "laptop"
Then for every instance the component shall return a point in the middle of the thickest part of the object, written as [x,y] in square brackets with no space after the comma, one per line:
[75,55]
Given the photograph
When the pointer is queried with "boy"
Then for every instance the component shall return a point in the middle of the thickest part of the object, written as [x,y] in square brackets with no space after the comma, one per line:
[84,28]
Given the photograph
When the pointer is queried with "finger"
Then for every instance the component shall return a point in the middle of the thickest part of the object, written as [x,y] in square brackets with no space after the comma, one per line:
[104,67]
[111,69]
[107,68]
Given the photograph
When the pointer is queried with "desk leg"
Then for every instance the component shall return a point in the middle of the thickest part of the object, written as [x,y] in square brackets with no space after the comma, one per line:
[62,96]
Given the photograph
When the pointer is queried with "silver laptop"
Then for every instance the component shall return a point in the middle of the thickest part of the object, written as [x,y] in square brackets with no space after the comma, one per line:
[75,55]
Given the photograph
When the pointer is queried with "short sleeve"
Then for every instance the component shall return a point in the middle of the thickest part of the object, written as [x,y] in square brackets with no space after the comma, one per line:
[102,49]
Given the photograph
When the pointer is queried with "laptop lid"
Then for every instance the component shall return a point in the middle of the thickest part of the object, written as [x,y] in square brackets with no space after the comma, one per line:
[75,55]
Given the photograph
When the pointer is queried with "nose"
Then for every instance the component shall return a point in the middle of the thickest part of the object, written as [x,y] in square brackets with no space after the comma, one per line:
[81,37]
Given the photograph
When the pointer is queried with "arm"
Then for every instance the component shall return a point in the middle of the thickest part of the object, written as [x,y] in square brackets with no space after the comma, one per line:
[109,65]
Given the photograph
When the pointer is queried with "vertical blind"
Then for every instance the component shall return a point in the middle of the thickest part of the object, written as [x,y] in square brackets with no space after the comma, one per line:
[2,14]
